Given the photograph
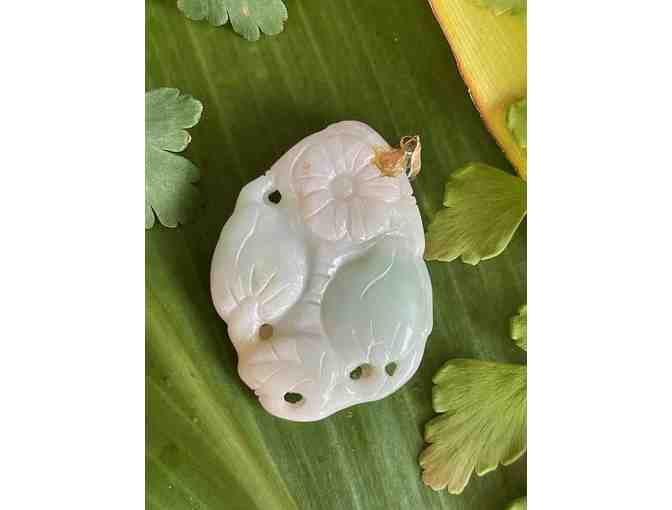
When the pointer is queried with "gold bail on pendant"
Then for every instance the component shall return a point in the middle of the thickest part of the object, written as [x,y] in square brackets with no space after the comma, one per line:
[405,158]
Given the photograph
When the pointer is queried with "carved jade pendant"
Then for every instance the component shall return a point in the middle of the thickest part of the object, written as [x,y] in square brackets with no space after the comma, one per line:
[320,277]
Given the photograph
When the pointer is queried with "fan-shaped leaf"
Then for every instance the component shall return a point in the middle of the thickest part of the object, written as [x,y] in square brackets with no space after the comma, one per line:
[169,178]
[519,327]
[483,422]
[484,207]
[516,120]
[248,17]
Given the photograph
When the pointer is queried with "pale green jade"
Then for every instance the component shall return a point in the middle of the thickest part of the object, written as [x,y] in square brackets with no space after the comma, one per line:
[320,277]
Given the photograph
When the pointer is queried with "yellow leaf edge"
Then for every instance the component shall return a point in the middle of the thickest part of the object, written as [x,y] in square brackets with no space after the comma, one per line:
[493,113]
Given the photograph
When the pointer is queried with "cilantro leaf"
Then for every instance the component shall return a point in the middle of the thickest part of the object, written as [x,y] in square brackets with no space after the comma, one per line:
[484,207]
[483,423]
[501,6]
[169,191]
[518,504]
[519,327]
[247,16]
[516,121]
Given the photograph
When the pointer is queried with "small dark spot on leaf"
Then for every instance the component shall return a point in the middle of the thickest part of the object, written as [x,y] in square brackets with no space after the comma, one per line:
[275,197]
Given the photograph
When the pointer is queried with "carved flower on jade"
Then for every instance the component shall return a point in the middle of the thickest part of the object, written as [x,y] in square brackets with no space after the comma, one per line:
[342,194]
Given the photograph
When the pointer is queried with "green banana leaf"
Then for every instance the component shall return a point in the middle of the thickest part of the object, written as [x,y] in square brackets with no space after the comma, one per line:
[210,445]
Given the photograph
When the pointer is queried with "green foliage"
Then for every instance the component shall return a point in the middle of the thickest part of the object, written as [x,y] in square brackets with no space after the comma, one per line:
[248,17]
[169,191]
[503,6]
[518,504]
[484,420]
[516,120]
[484,207]
[519,327]
[483,423]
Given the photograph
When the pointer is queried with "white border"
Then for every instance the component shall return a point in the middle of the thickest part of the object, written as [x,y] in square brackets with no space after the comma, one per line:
[71,271]
[599,243]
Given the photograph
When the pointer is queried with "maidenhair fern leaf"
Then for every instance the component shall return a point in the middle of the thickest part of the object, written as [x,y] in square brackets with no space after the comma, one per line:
[169,178]
[519,327]
[248,17]
[484,207]
[483,422]
[516,120]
